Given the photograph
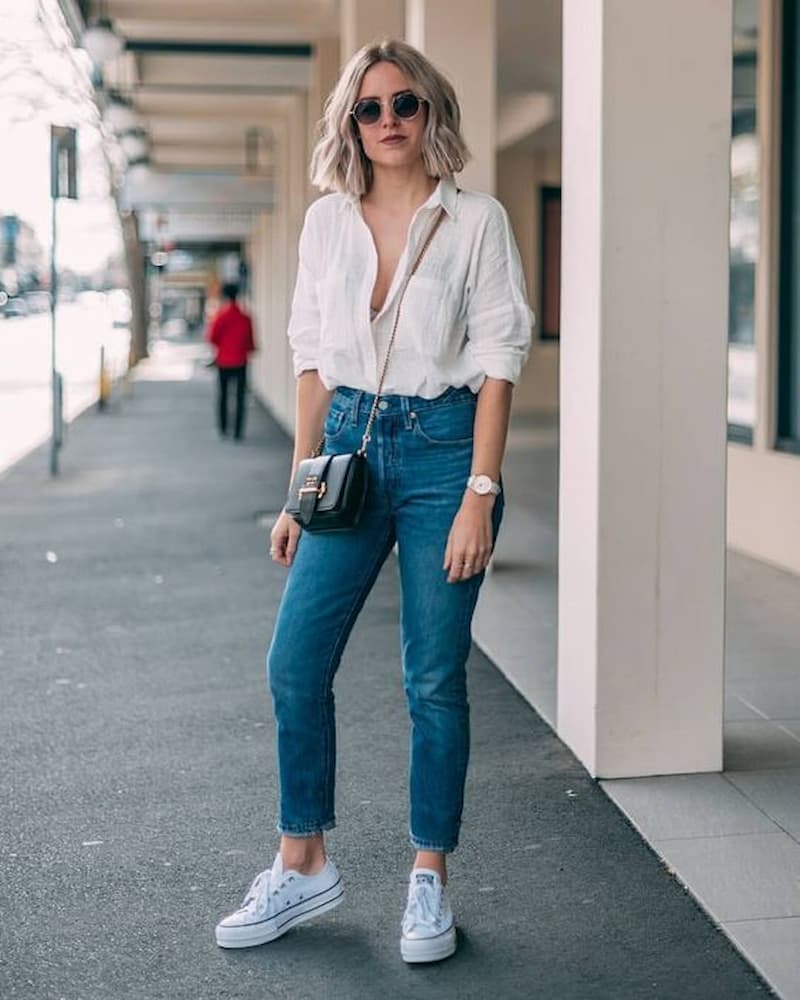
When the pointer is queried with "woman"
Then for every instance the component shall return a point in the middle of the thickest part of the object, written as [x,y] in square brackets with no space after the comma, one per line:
[390,144]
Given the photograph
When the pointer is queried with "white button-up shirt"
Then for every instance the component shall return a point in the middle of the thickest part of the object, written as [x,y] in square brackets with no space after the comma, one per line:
[464,316]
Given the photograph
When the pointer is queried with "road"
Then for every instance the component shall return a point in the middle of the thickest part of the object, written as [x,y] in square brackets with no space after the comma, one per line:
[25,400]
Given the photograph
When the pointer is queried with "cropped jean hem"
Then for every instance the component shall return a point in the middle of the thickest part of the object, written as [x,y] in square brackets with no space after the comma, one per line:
[305,830]
[429,845]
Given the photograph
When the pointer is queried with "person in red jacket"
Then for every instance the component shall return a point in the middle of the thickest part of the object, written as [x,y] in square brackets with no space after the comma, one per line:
[231,332]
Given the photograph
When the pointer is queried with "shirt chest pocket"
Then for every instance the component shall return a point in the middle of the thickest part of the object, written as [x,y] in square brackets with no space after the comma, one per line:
[430,315]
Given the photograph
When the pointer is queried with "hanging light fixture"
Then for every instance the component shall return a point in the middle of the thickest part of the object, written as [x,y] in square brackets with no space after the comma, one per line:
[119,114]
[135,144]
[100,39]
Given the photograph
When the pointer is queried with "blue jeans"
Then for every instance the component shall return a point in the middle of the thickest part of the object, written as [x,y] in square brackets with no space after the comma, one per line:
[419,460]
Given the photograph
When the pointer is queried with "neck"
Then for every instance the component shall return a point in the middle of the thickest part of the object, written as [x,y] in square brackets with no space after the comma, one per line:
[400,189]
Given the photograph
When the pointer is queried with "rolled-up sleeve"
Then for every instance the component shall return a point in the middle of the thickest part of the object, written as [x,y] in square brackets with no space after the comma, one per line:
[499,319]
[304,322]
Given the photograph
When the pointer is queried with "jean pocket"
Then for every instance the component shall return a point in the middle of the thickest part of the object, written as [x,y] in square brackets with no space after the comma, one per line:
[451,425]
[335,424]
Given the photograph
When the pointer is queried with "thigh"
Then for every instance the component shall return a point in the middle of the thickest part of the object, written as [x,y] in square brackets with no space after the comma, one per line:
[436,615]
[332,574]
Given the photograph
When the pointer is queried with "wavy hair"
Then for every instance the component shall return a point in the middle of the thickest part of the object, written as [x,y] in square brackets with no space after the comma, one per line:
[338,163]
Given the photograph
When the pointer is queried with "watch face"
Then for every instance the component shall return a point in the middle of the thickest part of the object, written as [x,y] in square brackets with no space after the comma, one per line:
[482,484]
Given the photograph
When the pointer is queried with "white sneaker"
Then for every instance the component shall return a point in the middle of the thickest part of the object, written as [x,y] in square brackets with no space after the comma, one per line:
[429,931]
[277,900]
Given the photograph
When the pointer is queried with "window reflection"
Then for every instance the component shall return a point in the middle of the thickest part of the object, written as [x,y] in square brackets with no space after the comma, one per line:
[745,193]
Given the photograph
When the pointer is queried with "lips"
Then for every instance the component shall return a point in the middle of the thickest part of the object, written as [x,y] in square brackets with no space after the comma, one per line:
[393,140]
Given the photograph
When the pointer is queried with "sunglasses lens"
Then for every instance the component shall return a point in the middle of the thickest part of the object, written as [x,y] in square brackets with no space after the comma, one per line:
[367,112]
[405,105]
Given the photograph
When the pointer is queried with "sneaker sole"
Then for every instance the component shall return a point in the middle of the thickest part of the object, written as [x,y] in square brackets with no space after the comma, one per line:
[429,949]
[255,934]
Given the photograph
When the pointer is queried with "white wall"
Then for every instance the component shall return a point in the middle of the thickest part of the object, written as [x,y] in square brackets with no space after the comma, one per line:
[520,177]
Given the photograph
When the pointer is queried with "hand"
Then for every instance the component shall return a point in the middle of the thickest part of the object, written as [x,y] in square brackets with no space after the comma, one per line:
[469,544]
[283,539]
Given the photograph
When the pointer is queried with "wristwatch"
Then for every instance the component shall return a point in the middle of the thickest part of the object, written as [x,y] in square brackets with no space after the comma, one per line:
[482,485]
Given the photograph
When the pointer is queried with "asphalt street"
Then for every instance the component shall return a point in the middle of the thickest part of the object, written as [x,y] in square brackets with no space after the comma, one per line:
[138,786]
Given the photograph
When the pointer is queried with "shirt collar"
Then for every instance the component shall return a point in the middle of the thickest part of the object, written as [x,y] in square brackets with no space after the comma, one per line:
[444,195]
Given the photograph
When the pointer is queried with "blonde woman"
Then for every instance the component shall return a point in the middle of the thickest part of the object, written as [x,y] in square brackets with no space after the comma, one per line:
[389,147]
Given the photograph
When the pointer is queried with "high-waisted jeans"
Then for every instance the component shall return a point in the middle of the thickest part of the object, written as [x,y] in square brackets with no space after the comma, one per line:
[419,460]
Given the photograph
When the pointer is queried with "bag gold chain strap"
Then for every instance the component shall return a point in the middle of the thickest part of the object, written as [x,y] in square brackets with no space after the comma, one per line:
[371,419]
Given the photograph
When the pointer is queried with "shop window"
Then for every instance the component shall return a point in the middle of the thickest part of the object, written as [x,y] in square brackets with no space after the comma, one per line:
[744,228]
[550,319]
[788,422]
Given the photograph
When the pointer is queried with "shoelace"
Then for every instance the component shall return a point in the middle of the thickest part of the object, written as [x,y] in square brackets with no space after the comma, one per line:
[263,888]
[424,904]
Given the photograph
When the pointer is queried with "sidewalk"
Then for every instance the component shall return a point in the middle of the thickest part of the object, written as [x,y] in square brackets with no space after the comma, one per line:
[138,787]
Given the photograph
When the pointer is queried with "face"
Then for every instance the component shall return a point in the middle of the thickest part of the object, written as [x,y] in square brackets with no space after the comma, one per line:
[392,141]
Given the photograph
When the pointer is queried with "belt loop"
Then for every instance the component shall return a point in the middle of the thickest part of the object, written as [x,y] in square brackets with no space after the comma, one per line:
[355,414]
[405,407]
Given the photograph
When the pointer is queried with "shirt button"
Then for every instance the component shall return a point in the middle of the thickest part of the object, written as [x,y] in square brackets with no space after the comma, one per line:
[382,405]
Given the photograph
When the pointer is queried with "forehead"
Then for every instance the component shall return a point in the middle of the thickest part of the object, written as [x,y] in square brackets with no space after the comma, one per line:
[382,80]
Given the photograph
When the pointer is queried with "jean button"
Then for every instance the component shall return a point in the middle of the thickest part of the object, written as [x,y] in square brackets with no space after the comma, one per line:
[382,405]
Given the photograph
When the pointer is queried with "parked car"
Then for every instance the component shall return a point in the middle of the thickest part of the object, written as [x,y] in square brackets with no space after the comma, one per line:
[15,307]
[38,302]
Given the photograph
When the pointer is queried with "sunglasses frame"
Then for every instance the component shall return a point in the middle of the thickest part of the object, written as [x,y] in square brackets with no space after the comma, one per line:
[399,94]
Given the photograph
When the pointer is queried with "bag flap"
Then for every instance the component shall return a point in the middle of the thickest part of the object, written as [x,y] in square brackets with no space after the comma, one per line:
[336,479]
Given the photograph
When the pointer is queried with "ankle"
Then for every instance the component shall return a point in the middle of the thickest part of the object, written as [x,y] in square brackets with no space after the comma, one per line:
[305,855]
[433,860]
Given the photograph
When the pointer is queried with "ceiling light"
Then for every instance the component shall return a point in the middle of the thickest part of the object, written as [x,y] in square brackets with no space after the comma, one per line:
[120,115]
[135,144]
[101,41]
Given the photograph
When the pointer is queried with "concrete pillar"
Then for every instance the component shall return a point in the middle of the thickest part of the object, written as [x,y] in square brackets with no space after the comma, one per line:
[324,74]
[460,37]
[646,127]
[134,261]
[364,21]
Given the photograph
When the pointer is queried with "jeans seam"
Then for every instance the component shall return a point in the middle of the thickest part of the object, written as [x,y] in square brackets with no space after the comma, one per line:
[338,646]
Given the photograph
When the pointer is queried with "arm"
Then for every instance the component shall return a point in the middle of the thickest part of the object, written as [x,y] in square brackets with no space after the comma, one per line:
[499,333]
[470,541]
[313,400]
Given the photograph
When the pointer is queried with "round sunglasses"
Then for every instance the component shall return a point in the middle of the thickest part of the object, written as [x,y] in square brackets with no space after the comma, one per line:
[405,105]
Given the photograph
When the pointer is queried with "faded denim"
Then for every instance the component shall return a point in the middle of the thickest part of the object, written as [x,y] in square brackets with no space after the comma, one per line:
[419,460]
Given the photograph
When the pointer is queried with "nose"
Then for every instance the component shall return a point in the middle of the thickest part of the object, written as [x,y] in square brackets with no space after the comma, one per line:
[388,117]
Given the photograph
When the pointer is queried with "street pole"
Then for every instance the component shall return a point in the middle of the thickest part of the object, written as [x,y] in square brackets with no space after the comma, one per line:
[55,439]
[63,184]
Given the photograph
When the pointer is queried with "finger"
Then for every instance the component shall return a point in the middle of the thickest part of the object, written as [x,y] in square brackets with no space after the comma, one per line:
[448,553]
[470,565]
[456,567]
[291,544]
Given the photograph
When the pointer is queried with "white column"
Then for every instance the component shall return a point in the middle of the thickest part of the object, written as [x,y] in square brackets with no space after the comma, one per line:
[364,21]
[646,126]
[324,74]
[460,38]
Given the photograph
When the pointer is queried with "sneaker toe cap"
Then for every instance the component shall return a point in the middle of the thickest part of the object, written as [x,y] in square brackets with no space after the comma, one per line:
[238,919]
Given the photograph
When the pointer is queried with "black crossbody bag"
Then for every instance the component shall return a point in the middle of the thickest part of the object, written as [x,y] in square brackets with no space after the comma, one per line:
[327,492]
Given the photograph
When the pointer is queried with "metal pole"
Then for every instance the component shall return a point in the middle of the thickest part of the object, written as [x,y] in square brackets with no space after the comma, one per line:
[54,441]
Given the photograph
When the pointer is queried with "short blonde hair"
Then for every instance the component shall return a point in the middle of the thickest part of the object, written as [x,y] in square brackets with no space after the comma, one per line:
[338,163]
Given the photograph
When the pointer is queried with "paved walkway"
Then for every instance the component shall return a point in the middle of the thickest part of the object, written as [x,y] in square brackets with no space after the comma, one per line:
[138,781]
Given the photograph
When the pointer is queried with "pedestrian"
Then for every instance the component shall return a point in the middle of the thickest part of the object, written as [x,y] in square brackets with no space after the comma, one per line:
[231,333]
[389,147]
